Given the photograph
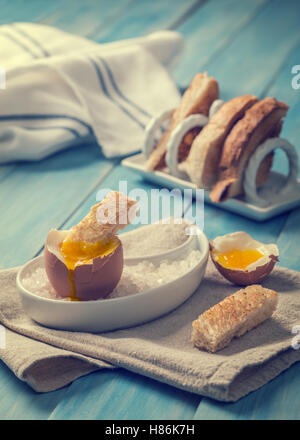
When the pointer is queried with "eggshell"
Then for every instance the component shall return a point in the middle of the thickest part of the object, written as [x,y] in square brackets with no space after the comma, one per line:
[244,278]
[252,275]
[92,281]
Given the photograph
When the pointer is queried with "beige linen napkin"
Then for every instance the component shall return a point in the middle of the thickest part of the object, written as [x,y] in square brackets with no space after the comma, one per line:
[48,359]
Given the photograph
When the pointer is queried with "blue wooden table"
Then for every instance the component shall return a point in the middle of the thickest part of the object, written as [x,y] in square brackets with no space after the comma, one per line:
[250,46]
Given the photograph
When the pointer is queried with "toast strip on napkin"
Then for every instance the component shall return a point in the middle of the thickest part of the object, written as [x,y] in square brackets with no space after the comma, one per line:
[232,317]
[198,98]
[203,160]
[261,121]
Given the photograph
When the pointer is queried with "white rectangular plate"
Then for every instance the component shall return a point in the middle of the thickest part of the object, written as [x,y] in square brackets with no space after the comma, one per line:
[237,205]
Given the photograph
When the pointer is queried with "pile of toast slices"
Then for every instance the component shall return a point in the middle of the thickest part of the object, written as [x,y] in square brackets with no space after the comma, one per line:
[215,157]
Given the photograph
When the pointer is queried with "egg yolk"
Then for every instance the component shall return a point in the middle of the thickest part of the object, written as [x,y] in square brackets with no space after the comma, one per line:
[239,258]
[78,253]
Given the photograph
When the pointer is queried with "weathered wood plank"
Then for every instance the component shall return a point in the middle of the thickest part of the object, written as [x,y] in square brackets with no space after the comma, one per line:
[208,31]
[20,402]
[124,396]
[35,10]
[85,18]
[276,400]
[144,17]
[258,51]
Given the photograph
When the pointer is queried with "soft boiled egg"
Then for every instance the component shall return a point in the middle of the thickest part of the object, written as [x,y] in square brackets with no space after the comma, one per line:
[82,271]
[241,259]
[86,262]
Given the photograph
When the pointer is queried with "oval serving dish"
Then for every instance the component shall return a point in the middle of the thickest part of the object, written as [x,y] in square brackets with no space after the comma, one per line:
[114,313]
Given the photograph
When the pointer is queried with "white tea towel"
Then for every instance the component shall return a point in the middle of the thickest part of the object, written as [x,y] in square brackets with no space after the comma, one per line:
[58,89]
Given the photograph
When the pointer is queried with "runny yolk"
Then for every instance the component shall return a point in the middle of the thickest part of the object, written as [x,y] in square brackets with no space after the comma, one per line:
[239,258]
[78,253]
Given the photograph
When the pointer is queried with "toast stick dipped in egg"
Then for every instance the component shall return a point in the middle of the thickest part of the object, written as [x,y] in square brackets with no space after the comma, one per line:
[104,219]
[197,99]
[86,262]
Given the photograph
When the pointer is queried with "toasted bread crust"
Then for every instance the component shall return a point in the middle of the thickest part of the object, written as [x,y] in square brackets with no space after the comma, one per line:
[232,317]
[198,98]
[203,161]
[185,145]
[115,207]
[260,122]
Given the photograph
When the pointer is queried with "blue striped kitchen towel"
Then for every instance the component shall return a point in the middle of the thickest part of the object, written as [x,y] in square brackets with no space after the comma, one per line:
[58,89]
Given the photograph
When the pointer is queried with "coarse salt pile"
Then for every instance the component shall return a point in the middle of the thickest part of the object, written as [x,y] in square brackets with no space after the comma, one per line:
[37,282]
[146,275]
[135,278]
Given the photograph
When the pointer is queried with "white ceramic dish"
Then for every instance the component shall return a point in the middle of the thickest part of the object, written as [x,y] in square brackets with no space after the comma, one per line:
[115,313]
[237,205]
